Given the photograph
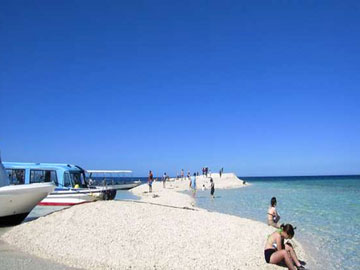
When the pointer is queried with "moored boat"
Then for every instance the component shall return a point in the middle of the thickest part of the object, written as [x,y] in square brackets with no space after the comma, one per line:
[116,179]
[16,202]
[70,180]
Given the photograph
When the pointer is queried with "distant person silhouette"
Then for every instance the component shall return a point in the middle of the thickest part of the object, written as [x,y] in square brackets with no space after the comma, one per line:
[212,187]
[150,181]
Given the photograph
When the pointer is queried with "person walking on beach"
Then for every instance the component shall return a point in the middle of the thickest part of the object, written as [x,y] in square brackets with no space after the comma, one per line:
[193,184]
[164,179]
[150,181]
[182,174]
[276,251]
[212,187]
[273,215]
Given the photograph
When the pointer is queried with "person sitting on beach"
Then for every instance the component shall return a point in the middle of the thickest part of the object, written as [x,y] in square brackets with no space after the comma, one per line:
[212,187]
[273,215]
[276,251]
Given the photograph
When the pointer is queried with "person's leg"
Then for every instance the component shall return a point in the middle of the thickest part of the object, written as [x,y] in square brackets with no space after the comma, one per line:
[291,251]
[280,255]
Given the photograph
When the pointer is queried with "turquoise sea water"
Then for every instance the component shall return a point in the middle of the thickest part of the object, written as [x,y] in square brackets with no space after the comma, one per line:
[325,210]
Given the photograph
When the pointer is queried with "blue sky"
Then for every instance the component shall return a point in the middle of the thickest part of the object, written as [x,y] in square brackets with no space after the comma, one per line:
[256,87]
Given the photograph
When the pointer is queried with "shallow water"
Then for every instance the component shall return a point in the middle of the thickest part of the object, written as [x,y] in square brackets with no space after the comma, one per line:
[326,212]
[122,195]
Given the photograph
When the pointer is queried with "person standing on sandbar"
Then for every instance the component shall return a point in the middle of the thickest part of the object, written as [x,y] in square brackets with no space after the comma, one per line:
[273,215]
[164,179]
[193,184]
[150,181]
[212,187]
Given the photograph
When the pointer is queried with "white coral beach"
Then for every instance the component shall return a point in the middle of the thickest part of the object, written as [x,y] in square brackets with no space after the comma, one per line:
[161,231]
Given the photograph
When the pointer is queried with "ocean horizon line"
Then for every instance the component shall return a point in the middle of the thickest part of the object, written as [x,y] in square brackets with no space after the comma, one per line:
[278,176]
[302,176]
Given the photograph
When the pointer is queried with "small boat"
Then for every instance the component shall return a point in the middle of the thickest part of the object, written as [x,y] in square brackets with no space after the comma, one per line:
[116,179]
[71,186]
[16,202]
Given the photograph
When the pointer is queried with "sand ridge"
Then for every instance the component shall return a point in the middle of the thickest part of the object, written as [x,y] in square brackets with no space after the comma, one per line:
[164,231]
[171,196]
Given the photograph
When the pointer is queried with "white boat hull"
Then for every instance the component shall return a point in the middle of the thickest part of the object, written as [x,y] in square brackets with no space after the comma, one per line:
[76,196]
[16,202]
[124,186]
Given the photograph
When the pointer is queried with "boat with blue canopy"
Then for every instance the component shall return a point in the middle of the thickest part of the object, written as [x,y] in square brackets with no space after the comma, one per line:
[16,202]
[71,185]
[116,179]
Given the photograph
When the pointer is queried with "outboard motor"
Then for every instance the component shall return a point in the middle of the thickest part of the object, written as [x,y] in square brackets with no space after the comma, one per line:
[109,194]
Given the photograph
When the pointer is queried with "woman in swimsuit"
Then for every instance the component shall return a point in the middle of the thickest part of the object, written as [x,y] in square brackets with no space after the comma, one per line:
[273,216]
[275,251]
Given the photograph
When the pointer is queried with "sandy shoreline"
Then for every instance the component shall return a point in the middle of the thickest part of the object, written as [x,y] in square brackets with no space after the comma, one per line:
[163,231]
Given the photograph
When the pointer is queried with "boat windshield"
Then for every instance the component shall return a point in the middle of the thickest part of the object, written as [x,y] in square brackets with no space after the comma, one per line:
[4,180]
[78,179]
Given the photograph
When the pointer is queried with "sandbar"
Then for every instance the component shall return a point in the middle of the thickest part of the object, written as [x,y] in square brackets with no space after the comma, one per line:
[163,230]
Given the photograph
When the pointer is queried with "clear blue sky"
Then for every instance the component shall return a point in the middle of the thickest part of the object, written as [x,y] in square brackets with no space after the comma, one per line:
[256,87]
